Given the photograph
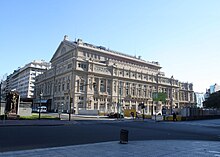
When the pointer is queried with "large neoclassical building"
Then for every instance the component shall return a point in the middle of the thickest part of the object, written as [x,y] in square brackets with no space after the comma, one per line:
[88,77]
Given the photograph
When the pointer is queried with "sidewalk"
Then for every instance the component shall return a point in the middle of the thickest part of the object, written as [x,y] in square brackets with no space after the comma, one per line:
[166,148]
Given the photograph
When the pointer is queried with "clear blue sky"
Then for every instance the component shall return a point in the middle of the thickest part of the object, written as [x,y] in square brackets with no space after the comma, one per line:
[182,35]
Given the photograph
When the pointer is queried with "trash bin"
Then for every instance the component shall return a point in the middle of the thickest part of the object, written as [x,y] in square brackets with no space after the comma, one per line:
[123,136]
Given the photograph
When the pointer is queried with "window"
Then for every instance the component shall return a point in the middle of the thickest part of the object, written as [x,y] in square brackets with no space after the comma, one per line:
[59,86]
[63,85]
[114,86]
[81,98]
[109,86]
[68,85]
[102,86]
[133,91]
[120,88]
[84,66]
[81,88]
[127,88]
[81,65]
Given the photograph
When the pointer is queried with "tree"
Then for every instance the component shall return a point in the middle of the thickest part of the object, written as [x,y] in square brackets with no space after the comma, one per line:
[213,101]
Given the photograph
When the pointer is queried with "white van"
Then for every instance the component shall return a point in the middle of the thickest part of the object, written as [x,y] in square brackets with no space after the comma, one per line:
[42,109]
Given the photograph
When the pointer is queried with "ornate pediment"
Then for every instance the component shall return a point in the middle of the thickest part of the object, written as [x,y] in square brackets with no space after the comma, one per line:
[64,47]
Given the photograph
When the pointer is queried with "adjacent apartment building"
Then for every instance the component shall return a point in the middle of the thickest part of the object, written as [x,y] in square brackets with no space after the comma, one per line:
[84,76]
[213,88]
[22,80]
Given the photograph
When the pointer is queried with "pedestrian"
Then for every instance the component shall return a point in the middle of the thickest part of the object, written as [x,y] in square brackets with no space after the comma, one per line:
[137,117]
[132,115]
[174,116]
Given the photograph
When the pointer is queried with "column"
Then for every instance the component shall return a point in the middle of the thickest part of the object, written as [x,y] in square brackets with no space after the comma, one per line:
[76,105]
[98,85]
[106,107]
[98,104]
[92,105]
[148,108]
[136,105]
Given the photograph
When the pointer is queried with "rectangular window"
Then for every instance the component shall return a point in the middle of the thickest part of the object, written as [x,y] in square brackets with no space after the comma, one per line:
[63,87]
[59,86]
[68,85]
[102,85]
[81,98]
[81,88]
[84,66]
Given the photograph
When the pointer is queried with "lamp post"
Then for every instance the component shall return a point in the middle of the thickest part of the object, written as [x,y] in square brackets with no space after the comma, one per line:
[60,110]
[41,94]
[0,97]
[70,107]
[171,95]
[119,99]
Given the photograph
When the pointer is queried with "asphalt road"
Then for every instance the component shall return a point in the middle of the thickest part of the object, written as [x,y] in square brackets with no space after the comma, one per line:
[89,131]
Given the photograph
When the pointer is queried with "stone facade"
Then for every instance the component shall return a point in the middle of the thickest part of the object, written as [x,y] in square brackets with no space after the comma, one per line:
[88,77]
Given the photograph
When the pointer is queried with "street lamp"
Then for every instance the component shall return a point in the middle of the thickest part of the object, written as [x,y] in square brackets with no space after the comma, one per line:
[119,100]
[171,95]
[60,109]
[41,94]
[70,106]
[0,97]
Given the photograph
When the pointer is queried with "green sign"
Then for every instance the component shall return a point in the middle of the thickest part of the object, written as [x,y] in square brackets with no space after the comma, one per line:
[159,97]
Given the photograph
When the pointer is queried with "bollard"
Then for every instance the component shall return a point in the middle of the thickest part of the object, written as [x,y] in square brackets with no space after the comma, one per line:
[123,136]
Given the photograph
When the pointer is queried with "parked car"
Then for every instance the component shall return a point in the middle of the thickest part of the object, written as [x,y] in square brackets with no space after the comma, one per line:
[115,115]
[42,109]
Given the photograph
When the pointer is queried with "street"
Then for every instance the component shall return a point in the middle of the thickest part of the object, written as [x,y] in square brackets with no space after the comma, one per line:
[93,131]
